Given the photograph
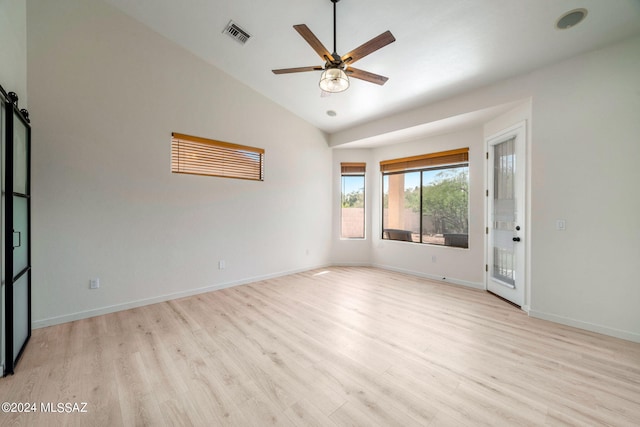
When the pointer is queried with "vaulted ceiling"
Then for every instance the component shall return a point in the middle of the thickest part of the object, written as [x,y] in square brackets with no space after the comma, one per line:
[442,47]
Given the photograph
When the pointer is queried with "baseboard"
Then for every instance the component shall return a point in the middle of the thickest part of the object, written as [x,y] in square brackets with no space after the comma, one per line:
[437,278]
[592,327]
[351,264]
[42,323]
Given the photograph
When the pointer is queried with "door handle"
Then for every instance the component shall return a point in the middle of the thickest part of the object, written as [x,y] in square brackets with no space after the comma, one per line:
[516,239]
[19,239]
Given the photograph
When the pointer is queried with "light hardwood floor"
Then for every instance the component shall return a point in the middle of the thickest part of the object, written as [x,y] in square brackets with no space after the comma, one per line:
[341,346]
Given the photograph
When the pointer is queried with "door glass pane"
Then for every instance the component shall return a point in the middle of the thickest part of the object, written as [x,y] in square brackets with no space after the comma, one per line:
[504,212]
[20,235]
[20,313]
[19,156]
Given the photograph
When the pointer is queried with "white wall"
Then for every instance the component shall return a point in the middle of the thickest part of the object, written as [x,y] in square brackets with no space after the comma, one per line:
[586,130]
[583,155]
[106,94]
[13,48]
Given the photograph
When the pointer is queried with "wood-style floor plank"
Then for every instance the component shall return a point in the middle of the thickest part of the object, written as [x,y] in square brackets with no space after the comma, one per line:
[331,347]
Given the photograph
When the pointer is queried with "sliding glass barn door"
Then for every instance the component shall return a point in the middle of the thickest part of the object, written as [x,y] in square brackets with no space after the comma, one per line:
[17,230]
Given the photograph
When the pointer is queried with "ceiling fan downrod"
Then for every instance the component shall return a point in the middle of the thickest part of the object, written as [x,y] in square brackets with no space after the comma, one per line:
[335,50]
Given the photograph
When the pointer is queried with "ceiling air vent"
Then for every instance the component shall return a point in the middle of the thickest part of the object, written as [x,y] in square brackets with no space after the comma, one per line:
[235,32]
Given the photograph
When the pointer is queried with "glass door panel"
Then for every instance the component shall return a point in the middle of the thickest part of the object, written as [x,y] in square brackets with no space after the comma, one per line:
[20,313]
[20,156]
[20,234]
[504,212]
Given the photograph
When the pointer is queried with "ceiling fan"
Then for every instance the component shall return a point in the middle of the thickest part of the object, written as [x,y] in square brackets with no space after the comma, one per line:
[337,68]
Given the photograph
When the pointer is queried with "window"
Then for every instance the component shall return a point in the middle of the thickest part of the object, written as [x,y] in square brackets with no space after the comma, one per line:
[201,156]
[426,198]
[352,211]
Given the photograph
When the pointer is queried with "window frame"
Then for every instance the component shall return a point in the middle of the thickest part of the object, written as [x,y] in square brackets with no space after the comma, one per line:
[354,169]
[443,160]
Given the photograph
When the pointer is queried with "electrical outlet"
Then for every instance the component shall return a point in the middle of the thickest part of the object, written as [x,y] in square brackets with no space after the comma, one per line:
[433,258]
[222,264]
[561,224]
[94,283]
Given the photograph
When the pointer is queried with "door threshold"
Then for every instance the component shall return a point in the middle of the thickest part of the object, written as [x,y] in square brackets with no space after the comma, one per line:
[505,300]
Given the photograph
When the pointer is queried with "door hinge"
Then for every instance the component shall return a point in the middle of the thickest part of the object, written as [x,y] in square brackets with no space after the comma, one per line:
[486,268]
[486,231]
[487,193]
[487,155]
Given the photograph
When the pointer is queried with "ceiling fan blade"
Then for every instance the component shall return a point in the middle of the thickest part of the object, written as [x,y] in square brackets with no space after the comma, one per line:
[296,70]
[313,41]
[371,46]
[366,76]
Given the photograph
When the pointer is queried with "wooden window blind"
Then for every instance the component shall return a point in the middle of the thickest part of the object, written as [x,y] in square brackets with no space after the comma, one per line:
[353,168]
[201,156]
[441,158]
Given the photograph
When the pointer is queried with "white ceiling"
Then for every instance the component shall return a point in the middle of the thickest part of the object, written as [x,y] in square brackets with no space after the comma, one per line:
[442,47]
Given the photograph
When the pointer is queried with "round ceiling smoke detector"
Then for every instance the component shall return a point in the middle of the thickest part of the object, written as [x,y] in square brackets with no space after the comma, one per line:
[331,113]
[571,19]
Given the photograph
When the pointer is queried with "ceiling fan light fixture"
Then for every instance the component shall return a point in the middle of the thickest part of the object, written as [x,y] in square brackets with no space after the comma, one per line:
[334,80]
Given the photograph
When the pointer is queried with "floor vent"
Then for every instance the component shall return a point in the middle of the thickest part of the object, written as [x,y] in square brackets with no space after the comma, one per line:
[235,32]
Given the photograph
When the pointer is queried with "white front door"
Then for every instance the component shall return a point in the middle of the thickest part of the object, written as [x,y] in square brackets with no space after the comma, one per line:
[505,272]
